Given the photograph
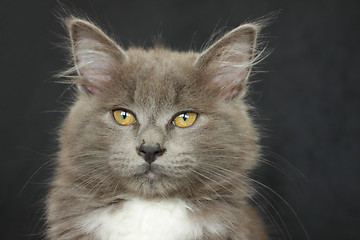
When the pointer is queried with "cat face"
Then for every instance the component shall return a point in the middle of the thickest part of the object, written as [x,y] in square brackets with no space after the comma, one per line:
[155,123]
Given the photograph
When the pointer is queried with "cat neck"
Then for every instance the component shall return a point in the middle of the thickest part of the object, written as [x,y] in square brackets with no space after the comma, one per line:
[138,219]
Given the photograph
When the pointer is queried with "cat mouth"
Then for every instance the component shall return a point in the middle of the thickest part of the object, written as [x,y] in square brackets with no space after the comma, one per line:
[150,172]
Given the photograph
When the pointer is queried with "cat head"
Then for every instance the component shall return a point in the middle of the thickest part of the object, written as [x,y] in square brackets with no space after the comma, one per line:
[155,122]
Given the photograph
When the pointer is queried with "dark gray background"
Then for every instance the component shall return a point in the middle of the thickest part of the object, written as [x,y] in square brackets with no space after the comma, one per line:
[308,100]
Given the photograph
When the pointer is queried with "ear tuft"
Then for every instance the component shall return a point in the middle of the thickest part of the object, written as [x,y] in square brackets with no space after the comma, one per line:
[227,63]
[95,54]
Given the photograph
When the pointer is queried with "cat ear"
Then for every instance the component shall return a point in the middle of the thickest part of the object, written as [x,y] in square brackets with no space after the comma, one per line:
[95,54]
[227,63]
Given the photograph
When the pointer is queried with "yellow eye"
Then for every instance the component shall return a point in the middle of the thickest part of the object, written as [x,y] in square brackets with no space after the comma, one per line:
[185,119]
[124,117]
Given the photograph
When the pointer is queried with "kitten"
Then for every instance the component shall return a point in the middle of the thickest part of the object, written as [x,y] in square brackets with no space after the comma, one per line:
[158,144]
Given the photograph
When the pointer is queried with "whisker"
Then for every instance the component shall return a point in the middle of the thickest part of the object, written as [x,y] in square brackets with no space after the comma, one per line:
[268,215]
[208,185]
[272,191]
[224,201]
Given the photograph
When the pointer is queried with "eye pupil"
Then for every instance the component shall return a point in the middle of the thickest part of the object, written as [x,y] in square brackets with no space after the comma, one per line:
[184,117]
[124,114]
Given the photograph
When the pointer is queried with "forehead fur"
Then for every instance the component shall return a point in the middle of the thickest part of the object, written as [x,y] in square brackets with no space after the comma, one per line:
[155,78]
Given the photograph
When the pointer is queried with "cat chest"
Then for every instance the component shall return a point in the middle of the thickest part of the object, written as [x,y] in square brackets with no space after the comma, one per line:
[144,220]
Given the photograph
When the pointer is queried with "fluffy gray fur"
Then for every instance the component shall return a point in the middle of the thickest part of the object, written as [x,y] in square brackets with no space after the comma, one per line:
[206,164]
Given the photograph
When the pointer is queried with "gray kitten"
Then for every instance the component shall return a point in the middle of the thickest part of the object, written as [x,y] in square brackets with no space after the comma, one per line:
[158,144]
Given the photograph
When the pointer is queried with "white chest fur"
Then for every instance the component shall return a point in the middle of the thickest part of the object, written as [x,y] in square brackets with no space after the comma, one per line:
[144,220]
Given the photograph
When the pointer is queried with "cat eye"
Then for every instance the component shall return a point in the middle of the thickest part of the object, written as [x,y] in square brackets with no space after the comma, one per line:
[124,117]
[185,119]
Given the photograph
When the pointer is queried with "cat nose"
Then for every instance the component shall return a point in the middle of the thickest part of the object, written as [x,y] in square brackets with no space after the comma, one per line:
[150,153]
